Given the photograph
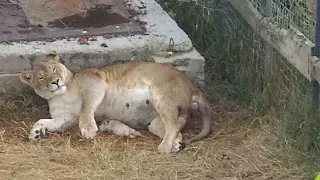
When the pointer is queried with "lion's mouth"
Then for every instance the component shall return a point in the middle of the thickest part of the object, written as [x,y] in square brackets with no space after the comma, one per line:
[58,88]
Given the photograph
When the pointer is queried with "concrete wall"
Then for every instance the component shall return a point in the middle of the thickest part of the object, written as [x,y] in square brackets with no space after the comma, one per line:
[17,57]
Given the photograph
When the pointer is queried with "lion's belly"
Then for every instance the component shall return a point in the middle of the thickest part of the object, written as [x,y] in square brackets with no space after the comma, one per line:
[131,106]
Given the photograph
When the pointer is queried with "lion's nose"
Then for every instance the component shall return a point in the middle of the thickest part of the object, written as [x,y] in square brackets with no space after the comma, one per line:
[56,82]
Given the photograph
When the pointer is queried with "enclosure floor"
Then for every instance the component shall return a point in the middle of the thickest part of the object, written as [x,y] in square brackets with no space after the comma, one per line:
[234,151]
[30,20]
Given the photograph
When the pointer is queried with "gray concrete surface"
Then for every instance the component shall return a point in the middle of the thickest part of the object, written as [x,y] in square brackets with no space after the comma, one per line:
[17,57]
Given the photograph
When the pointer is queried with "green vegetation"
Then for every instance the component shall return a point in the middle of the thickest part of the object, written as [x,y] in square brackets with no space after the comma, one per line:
[235,57]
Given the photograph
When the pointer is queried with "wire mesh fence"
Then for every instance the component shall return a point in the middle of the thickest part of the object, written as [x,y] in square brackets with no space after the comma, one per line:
[236,55]
[231,47]
[298,14]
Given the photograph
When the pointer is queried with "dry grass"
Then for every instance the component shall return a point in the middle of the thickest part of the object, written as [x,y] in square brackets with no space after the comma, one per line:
[236,150]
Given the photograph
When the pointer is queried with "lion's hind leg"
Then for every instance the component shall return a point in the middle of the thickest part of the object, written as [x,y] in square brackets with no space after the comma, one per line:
[157,127]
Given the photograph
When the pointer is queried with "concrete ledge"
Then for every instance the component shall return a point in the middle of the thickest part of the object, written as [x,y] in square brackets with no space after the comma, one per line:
[191,63]
[17,57]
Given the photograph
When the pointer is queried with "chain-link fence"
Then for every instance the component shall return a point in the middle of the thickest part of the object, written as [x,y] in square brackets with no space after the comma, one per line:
[298,14]
[236,55]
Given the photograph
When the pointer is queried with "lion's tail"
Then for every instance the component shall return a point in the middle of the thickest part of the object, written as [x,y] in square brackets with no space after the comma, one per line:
[199,103]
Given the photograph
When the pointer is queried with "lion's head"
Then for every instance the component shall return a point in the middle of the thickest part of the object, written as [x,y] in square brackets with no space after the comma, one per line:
[49,78]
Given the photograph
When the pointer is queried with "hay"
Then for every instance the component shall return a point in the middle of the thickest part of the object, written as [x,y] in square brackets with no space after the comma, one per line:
[236,150]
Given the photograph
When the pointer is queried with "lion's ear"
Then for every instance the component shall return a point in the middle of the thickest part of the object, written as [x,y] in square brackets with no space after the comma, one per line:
[52,57]
[26,77]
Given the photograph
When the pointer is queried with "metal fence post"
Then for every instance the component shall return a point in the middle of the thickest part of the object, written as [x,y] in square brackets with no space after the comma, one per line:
[316,52]
[308,131]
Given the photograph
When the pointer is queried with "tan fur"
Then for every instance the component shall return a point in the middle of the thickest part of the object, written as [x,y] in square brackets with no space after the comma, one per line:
[80,97]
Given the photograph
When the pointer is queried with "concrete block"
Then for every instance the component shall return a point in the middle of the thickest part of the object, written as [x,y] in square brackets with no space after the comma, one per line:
[19,56]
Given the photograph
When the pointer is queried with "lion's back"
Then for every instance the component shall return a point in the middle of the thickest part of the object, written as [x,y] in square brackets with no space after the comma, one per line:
[155,72]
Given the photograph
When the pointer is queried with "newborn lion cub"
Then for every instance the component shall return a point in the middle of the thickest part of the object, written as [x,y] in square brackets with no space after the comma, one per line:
[119,129]
[142,95]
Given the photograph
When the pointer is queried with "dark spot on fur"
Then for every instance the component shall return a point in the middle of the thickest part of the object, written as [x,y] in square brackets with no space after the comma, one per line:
[147,101]
[103,45]
[127,105]
[182,145]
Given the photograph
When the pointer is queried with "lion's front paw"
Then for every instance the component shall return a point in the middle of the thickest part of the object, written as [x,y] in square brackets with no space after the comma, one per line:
[88,130]
[165,148]
[37,132]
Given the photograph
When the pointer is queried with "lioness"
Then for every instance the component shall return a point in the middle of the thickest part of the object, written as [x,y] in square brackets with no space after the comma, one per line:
[139,94]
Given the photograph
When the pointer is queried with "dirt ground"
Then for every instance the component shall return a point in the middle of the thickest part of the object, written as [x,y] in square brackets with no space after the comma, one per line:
[236,150]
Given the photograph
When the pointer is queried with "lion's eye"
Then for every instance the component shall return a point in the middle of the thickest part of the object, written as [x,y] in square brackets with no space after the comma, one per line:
[40,77]
[54,69]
